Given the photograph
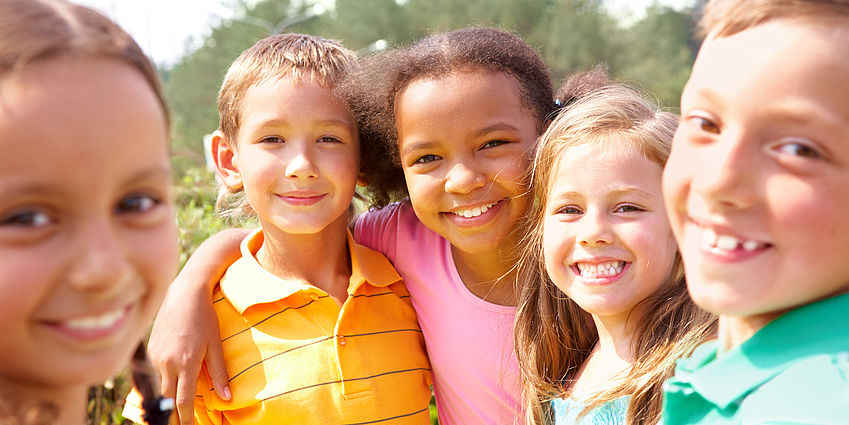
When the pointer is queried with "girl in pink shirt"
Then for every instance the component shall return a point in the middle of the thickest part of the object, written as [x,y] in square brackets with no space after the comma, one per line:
[459,114]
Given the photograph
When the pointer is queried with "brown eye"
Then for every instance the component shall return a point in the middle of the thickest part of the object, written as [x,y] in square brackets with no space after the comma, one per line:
[800,150]
[707,125]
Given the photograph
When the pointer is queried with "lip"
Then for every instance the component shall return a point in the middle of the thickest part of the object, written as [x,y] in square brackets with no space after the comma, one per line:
[479,220]
[697,230]
[599,281]
[302,198]
[92,327]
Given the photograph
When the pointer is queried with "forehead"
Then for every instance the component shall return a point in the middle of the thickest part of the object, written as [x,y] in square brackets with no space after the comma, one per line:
[792,63]
[604,165]
[293,99]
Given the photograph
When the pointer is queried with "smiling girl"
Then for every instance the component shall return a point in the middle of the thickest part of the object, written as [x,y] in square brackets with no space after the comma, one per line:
[604,312]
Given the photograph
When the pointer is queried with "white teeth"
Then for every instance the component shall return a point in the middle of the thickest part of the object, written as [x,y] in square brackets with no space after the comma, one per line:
[711,240]
[726,242]
[474,212]
[90,323]
[595,271]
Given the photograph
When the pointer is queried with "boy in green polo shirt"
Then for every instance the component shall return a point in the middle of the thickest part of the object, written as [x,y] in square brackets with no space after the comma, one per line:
[757,188]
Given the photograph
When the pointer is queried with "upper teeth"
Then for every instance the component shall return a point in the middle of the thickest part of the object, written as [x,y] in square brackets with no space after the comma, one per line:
[711,240]
[606,269]
[474,212]
[102,321]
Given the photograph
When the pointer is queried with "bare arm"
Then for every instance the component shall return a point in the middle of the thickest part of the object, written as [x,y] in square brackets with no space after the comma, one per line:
[185,333]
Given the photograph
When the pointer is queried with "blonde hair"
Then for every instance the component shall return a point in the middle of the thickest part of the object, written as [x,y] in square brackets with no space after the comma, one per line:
[33,30]
[299,56]
[728,17]
[553,336]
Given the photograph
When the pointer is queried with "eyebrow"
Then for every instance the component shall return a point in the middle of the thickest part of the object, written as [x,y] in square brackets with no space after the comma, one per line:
[496,127]
[282,122]
[482,132]
[614,193]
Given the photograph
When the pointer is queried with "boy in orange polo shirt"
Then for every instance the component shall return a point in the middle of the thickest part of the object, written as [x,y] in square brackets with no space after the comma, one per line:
[315,327]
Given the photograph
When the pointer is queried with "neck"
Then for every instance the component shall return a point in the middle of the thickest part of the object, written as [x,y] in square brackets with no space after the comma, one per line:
[735,330]
[615,335]
[70,402]
[320,259]
[491,276]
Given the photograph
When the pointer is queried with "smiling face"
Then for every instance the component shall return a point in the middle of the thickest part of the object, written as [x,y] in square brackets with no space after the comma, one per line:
[297,156]
[465,141]
[87,235]
[606,240]
[757,182]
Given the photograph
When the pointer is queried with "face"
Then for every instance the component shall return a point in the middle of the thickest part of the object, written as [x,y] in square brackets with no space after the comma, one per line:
[606,240]
[87,235]
[465,141]
[297,156]
[757,181]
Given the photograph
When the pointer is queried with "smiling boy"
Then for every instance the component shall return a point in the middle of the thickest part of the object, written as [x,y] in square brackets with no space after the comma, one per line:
[756,188]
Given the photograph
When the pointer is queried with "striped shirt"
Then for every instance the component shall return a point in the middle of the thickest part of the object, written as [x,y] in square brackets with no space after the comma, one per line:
[294,356]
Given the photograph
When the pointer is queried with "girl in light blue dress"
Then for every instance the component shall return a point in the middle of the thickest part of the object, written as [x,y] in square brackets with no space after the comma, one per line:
[604,310]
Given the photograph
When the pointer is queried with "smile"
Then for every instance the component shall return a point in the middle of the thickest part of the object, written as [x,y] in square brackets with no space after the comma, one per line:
[712,241]
[600,270]
[474,212]
[96,323]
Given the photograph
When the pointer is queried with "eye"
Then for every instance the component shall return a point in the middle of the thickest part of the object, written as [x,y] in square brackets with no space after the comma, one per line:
[328,139]
[798,149]
[704,124]
[628,208]
[272,139]
[137,204]
[26,218]
[494,143]
[424,159]
[569,210]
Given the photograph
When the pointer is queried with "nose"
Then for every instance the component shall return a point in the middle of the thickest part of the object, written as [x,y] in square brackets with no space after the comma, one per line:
[301,163]
[724,175]
[100,263]
[464,177]
[594,229]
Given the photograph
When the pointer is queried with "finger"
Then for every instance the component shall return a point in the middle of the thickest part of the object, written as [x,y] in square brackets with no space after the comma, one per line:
[216,370]
[185,400]
[167,383]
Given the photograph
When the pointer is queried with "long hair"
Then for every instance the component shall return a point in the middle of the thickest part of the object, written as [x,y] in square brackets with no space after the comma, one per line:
[553,335]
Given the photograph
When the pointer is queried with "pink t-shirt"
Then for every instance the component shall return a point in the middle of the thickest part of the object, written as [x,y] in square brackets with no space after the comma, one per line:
[469,341]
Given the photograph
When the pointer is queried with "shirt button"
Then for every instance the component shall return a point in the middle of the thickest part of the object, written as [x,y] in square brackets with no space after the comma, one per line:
[341,340]
[314,296]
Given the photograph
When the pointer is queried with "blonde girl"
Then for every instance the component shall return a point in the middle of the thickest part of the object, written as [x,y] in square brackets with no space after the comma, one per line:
[87,235]
[604,310]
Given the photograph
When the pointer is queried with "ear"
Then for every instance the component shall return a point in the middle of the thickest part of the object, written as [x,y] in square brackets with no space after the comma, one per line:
[361,179]
[226,161]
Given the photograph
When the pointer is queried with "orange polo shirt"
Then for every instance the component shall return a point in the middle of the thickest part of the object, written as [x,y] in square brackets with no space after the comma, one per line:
[294,356]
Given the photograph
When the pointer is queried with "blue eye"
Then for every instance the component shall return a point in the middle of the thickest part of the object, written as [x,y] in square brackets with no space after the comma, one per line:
[26,219]
[136,204]
[426,158]
[272,139]
[569,209]
[628,208]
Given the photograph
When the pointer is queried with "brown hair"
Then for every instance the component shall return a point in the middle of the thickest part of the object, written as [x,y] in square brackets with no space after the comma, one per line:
[387,74]
[32,30]
[728,17]
[553,335]
[300,56]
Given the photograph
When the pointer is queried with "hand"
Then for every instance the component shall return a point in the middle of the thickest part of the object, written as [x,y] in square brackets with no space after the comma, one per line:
[185,333]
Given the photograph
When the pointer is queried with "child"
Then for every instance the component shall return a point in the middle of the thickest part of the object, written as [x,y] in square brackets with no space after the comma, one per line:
[87,235]
[460,112]
[315,327]
[598,233]
[756,190]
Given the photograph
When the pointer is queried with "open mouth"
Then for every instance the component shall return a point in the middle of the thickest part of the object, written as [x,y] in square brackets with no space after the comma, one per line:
[474,212]
[603,270]
[712,241]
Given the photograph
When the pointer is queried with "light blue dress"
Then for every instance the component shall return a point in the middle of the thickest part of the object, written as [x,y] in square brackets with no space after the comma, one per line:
[566,411]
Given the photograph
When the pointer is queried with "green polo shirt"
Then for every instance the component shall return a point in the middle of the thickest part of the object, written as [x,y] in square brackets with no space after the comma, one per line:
[795,370]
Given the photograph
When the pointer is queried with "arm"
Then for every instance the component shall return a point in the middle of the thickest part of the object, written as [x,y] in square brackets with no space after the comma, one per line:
[185,333]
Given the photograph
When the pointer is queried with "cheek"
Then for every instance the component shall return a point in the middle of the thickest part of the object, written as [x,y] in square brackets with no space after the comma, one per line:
[156,257]
[555,248]
[25,282]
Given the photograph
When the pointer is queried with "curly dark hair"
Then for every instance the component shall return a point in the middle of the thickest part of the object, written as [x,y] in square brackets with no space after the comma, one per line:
[384,75]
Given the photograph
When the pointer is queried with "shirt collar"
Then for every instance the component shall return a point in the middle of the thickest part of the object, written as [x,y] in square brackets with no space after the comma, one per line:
[247,283]
[810,330]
